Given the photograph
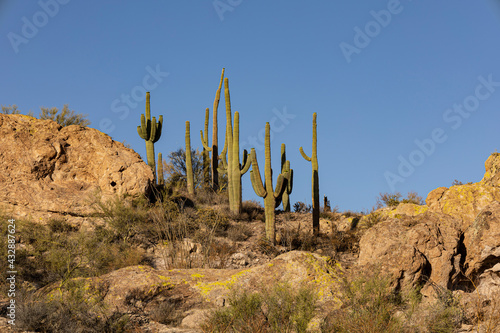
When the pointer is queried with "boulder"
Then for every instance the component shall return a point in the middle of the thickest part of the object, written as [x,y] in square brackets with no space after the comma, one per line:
[414,250]
[47,170]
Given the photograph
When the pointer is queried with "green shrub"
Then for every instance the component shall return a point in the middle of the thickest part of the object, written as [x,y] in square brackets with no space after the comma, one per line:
[251,210]
[300,207]
[394,199]
[278,309]
[213,220]
[239,232]
[368,306]
[76,308]
[127,219]
[66,117]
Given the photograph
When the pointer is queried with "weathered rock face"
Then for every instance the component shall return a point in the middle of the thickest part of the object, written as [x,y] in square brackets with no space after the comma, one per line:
[414,249]
[482,241]
[453,242]
[48,169]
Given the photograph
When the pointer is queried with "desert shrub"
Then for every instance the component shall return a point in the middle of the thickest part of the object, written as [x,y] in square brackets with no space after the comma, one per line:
[345,241]
[243,315]
[213,220]
[59,225]
[372,219]
[277,309]
[167,312]
[127,219]
[296,238]
[216,254]
[11,109]
[251,210]
[388,199]
[368,306]
[189,237]
[264,246]
[239,232]
[58,252]
[207,196]
[445,314]
[300,207]
[394,199]
[65,118]
[74,308]
[288,310]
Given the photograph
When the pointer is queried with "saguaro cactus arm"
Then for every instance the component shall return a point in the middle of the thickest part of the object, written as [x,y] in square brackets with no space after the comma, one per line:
[246,162]
[143,130]
[289,179]
[204,134]
[255,177]
[280,186]
[307,158]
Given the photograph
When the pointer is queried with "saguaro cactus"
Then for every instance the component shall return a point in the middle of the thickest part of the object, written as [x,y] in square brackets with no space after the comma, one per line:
[315,176]
[161,180]
[272,198]
[285,169]
[150,131]
[189,163]
[205,152]
[232,164]
[204,138]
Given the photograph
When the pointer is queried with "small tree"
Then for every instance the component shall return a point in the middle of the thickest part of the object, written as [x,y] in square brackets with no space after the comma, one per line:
[177,172]
[65,118]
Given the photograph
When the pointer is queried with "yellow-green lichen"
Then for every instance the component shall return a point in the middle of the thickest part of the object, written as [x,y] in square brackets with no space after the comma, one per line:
[206,288]
[197,276]
[326,276]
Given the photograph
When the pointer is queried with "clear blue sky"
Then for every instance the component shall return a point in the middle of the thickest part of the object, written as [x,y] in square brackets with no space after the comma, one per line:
[380,74]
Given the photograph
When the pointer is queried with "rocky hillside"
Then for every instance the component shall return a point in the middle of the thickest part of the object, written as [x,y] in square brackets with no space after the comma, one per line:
[440,261]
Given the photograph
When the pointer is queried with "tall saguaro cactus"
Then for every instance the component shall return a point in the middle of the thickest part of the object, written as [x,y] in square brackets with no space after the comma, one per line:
[285,167]
[315,176]
[205,153]
[189,163]
[161,179]
[150,131]
[272,198]
[204,138]
[232,164]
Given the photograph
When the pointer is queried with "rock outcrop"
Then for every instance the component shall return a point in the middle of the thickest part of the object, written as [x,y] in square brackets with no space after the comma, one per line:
[47,170]
[464,202]
[143,289]
[451,243]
